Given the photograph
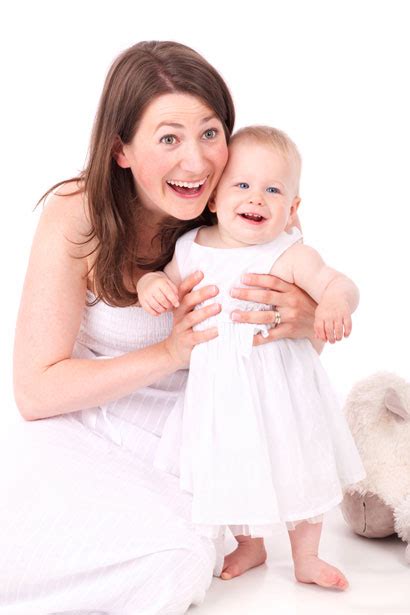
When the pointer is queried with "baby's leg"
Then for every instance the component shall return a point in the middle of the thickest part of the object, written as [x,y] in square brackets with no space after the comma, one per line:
[249,553]
[308,567]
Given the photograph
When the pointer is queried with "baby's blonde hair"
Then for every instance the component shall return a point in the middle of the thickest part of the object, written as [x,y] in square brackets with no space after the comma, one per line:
[279,140]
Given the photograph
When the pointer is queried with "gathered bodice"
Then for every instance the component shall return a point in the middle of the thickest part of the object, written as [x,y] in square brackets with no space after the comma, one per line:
[112,331]
[134,422]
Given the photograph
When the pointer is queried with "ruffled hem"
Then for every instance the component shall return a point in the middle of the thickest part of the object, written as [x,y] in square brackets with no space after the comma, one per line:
[264,530]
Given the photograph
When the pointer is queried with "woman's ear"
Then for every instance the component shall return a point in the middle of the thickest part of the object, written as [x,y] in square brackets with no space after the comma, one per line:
[293,212]
[119,155]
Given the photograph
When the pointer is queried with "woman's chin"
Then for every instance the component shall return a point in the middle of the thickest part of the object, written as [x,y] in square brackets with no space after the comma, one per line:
[189,210]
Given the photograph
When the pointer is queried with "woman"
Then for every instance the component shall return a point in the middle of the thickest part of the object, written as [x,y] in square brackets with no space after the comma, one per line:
[88,523]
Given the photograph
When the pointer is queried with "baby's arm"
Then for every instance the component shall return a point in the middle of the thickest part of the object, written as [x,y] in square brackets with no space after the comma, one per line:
[158,290]
[335,293]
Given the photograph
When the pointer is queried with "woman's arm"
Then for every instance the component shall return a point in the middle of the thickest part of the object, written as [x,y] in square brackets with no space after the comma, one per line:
[47,381]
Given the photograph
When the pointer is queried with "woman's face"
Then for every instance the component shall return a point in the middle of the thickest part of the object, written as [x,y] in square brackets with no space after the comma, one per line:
[179,141]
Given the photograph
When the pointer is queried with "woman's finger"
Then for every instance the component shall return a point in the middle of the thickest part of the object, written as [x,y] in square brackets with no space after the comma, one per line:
[256,295]
[199,296]
[254,317]
[277,333]
[266,280]
[188,284]
[196,316]
[206,335]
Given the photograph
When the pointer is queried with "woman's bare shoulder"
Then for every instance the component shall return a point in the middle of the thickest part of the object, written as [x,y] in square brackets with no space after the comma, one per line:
[66,210]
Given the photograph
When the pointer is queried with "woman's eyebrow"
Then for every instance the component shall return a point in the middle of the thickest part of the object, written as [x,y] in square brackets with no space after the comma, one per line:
[175,125]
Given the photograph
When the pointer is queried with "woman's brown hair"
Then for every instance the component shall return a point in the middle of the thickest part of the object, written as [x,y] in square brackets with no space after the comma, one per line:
[140,74]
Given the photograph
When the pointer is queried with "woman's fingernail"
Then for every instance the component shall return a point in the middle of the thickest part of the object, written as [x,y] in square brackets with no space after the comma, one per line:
[234,292]
[235,316]
[245,278]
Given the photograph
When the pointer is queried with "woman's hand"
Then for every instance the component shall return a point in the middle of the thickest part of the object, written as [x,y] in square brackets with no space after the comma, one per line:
[183,338]
[296,308]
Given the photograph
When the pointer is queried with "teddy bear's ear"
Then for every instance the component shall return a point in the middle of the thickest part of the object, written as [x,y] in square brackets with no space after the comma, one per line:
[393,402]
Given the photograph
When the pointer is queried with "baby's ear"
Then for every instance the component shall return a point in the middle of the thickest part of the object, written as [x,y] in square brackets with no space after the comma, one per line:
[293,212]
[211,202]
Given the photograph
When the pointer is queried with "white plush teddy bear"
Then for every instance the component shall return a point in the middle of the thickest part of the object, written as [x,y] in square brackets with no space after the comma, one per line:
[378,413]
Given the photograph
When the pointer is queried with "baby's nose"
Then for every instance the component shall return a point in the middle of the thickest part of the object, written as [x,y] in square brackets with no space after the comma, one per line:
[256,200]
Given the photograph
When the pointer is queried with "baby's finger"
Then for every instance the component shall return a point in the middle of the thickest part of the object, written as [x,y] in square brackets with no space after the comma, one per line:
[338,330]
[171,293]
[167,299]
[329,330]
[156,305]
[320,329]
[347,323]
[161,299]
[146,306]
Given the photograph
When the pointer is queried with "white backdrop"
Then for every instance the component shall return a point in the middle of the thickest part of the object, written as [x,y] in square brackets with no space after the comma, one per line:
[334,75]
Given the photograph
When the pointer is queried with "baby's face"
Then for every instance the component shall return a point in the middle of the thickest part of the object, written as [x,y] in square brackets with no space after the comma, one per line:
[256,198]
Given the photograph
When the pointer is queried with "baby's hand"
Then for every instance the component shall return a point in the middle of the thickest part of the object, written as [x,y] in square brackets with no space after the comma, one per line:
[156,293]
[332,321]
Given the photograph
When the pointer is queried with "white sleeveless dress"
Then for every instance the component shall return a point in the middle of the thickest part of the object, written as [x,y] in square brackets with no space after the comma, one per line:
[261,436]
[87,524]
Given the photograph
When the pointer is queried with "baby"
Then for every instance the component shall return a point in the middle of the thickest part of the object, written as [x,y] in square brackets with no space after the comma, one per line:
[261,437]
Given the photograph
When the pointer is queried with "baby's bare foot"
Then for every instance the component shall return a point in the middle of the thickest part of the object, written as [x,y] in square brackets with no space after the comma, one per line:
[311,569]
[248,554]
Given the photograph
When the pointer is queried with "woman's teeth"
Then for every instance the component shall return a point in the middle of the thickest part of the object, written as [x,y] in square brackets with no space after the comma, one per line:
[187,188]
[180,184]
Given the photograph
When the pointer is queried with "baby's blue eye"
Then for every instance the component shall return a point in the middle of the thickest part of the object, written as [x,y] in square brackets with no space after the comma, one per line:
[273,190]
[243,185]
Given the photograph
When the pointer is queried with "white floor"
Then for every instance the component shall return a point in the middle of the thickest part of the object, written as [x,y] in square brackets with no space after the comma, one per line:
[376,569]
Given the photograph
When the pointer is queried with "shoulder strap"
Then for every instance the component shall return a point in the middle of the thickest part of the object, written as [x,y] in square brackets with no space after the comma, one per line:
[182,250]
[268,253]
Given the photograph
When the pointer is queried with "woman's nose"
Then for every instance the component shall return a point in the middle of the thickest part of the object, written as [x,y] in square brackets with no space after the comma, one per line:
[193,160]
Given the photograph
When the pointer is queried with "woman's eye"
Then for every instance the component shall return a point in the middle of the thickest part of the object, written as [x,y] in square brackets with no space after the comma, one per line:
[273,190]
[243,185]
[210,133]
[168,139]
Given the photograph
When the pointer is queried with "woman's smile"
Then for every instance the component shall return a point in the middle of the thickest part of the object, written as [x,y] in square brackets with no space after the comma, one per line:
[187,189]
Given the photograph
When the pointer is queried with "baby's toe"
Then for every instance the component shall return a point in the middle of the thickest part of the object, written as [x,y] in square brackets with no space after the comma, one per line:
[230,572]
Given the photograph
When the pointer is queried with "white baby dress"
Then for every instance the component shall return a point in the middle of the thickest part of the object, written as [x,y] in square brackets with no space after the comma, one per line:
[258,437]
